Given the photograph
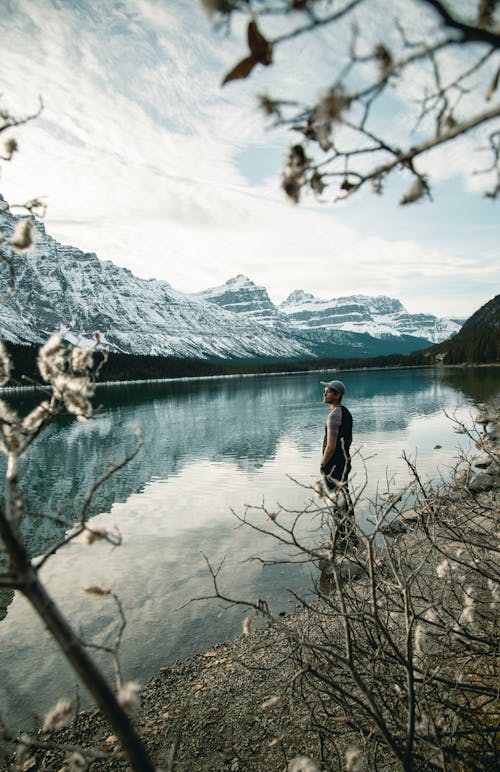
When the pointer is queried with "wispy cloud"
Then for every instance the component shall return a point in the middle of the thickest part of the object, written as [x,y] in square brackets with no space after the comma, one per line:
[145,160]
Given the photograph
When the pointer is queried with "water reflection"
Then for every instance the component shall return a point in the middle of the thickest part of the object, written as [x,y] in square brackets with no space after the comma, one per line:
[196,422]
[209,446]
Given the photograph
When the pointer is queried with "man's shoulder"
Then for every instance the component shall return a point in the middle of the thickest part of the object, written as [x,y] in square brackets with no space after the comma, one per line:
[346,413]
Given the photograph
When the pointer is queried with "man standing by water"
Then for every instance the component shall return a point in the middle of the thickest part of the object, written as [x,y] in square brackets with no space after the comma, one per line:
[335,461]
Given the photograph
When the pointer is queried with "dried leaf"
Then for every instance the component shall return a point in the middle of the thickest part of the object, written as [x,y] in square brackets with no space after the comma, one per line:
[216,6]
[261,52]
[259,47]
[242,70]
[415,192]
[486,12]
[347,186]
[318,186]
[493,85]
[384,58]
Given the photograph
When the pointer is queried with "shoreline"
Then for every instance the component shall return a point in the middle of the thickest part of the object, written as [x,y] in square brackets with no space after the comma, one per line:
[188,378]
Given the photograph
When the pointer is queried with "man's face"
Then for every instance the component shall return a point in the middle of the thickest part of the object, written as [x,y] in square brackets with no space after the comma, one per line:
[330,397]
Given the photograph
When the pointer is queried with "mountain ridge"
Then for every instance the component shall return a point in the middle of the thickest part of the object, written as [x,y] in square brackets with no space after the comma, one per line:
[59,288]
[374,315]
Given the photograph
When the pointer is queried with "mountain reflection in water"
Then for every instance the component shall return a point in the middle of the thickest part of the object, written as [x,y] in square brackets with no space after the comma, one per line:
[209,446]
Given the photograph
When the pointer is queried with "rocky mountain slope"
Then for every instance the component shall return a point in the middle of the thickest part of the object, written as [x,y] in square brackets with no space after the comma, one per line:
[60,288]
[380,317]
[477,341]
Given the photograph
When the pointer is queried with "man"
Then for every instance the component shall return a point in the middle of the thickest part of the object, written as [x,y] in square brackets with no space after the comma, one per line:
[335,461]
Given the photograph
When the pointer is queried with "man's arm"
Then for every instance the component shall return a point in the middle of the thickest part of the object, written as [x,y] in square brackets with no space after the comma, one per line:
[332,432]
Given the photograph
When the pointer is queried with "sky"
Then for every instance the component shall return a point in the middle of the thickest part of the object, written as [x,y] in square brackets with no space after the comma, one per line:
[145,159]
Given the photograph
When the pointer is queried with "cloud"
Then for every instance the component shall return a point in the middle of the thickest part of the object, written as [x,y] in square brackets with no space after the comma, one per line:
[145,160]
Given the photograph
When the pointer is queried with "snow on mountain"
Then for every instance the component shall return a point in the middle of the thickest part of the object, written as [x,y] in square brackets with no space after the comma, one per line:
[59,288]
[242,296]
[62,289]
[379,316]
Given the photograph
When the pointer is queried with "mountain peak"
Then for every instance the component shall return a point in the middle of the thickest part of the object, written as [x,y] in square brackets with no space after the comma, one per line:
[297,296]
[240,279]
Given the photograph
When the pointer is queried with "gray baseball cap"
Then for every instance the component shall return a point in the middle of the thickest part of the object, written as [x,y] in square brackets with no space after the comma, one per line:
[337,386]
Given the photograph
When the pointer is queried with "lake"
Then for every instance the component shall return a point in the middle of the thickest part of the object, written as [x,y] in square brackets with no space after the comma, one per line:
[210,446]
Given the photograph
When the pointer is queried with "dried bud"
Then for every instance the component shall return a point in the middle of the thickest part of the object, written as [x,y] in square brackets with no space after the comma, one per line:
[334,104]
[77,762]
[81,359]
[420,640]
[33,421]
[216,6]
[328,111]
[486,12]
[354,760]
[24,236]
[23,750]
[271,703]
[493,85]
[36,207]
[292,187]
[52,358]
[269,107]
[378,185]
[91,535]
[384,59]
[97,589]
[60,715]
[319,491]
[469,609]
[128,695]
[11,147]
[443,570]
[10,437]
[77,404]
[294,178]
[415,192]
[302,764]
[5,365]
[347,186]
[494,588]
[317,184]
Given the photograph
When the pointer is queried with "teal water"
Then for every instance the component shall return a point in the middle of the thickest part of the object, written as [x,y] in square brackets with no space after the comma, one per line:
[210,446]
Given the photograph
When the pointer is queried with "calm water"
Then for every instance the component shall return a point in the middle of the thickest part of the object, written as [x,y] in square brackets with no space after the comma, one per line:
[209,446]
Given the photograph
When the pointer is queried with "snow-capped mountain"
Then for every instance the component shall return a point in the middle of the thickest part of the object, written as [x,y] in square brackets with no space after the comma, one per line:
[380,317]
[242,296]
[59,288]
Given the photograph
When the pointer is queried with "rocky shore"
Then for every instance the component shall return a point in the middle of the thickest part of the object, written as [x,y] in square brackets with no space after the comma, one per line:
[234,707]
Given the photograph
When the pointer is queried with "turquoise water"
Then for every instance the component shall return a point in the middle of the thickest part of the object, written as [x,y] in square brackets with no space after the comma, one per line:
[210,446]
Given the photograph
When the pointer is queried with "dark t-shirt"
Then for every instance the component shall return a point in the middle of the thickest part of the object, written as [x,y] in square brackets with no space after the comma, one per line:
[340,423]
